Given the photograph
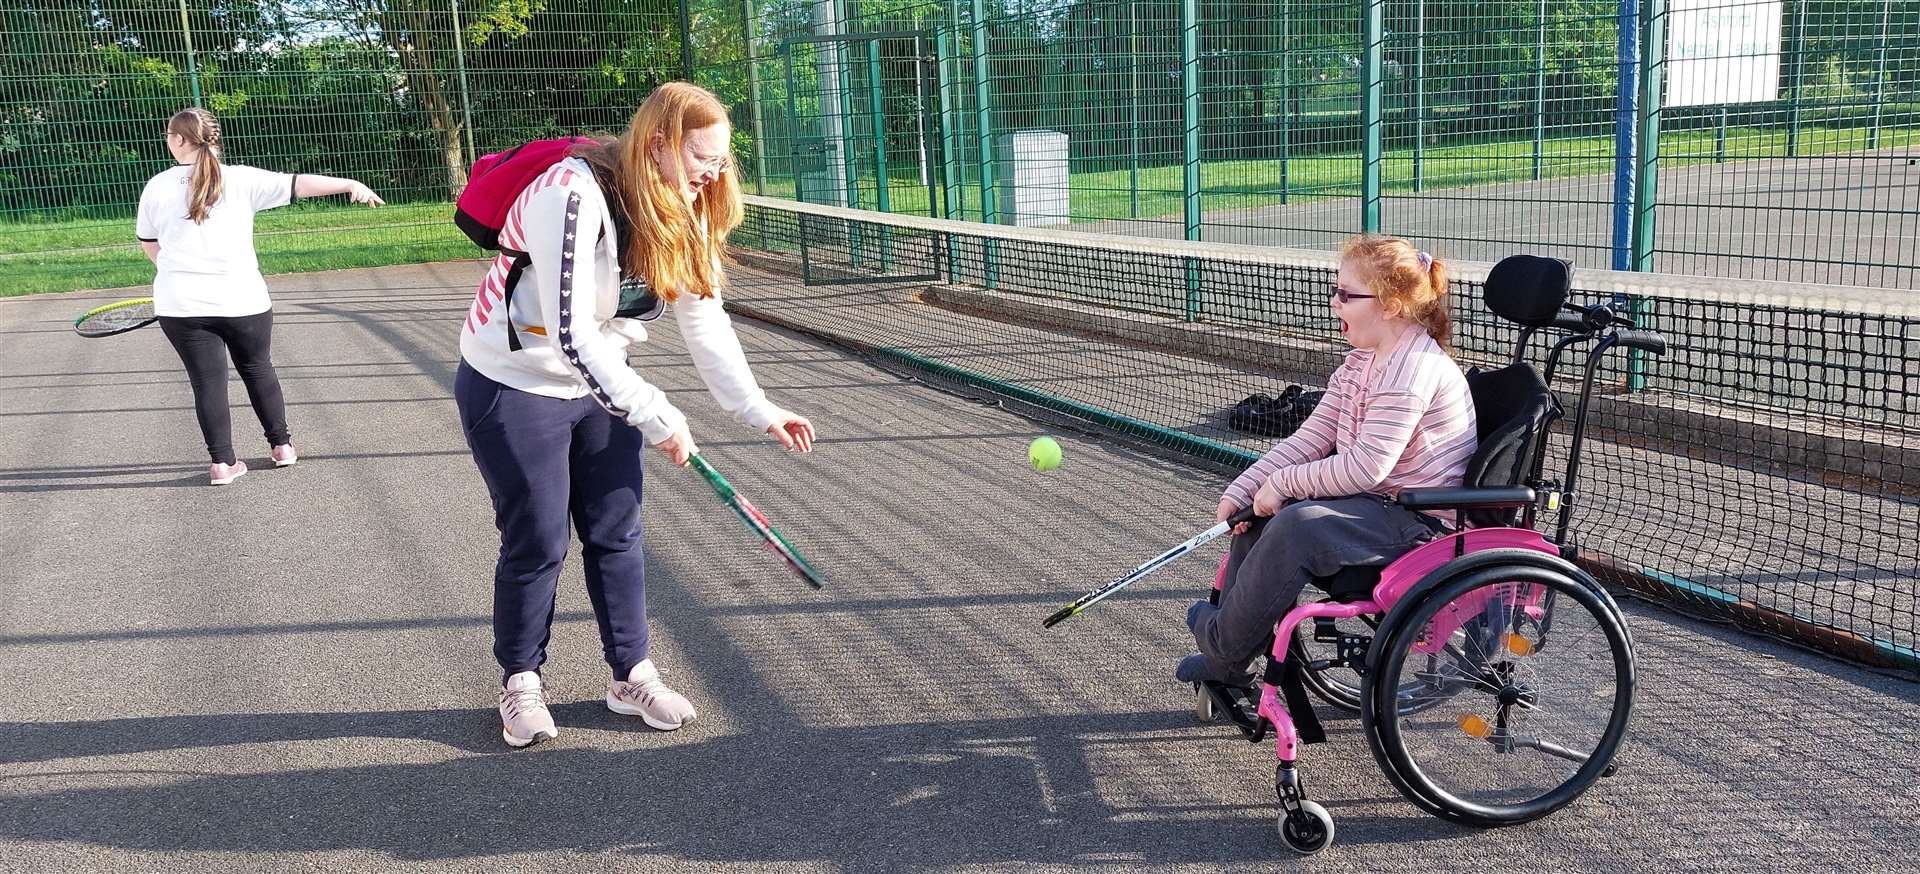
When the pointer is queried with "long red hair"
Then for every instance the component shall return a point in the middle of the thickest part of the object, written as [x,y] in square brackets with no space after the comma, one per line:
[664,243]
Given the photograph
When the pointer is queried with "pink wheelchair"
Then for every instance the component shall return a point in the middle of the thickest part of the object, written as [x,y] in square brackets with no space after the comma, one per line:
[1493,677]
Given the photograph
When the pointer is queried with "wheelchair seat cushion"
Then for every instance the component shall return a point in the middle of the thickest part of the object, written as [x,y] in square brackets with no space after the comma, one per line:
[1350,584]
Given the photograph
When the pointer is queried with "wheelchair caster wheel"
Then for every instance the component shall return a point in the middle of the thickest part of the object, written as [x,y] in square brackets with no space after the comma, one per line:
[1307,830]
[1204,708]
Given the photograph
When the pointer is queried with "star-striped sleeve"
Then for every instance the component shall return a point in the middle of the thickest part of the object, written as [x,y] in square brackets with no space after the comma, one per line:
[561,227]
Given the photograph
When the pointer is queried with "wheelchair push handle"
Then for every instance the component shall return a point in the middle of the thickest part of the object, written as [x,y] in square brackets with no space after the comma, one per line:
[1649,342]
[1594,319]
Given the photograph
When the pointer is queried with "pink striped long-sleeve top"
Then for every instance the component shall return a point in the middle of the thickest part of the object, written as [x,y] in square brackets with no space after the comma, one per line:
[1410,426]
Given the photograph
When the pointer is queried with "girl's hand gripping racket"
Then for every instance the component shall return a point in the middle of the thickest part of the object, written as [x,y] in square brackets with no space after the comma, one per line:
[118,317]
[757,521]
[1151,565]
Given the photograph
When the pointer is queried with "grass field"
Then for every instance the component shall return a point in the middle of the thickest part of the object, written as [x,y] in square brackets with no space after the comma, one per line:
[102,253]
[44,256]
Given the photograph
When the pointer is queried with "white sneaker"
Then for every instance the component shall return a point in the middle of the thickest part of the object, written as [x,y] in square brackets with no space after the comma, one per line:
[524,718]
[646,696]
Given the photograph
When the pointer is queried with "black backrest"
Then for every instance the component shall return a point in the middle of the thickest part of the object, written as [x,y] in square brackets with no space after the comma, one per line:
[1514,408]
[1528,290]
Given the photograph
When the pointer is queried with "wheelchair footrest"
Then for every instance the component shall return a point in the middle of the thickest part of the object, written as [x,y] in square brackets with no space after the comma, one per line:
[1241,706]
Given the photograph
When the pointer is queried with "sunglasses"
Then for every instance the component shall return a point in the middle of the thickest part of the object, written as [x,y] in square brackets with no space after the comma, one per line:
[1344,296]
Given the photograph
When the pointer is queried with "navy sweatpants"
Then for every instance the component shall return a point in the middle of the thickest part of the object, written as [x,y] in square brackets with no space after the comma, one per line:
[1270,565]
[548,462]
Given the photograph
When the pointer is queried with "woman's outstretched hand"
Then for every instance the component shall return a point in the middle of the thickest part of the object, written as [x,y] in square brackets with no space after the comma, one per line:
[360,193]
[793,431]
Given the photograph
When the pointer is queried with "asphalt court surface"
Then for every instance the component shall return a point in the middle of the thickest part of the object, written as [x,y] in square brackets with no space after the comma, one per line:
[293,673]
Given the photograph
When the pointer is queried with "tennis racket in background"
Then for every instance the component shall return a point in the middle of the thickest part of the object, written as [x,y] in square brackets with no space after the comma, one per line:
[1151,565]
[118,317]
[757,521]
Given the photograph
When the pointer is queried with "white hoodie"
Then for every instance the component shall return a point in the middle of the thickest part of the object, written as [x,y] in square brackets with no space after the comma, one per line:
[568,296]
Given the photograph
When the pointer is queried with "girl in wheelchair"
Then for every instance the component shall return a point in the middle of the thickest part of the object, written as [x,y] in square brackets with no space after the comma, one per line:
[1492,674]
[1397,415]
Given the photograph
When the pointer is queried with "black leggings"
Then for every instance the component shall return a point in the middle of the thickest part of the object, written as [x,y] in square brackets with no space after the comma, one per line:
[204,343]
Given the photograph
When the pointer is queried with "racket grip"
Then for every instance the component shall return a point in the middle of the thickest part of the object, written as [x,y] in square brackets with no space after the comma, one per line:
[1059,616]
[1245,515]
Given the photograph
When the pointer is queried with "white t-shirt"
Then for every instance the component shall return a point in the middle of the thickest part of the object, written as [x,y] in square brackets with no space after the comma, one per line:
[209,269]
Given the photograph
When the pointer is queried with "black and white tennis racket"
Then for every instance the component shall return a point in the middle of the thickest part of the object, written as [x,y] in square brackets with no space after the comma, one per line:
[1151,565]
[757,521]
[118,317]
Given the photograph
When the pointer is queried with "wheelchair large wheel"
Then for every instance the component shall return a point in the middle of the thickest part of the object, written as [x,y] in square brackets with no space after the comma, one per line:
[1500,697]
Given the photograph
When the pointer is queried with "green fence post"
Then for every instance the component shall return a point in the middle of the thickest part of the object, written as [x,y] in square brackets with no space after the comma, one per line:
[1133,112]
[1720,139]
[466,93]
[983,123]
[753,99]
[1286,101]
[1880,77]
[1539,87]
[1419,93]
[953,199]
[1372,72]
[1653,42]
[1799,61]
[686,40]
[193,69]
[882,180]
[848,135]
[1190,143]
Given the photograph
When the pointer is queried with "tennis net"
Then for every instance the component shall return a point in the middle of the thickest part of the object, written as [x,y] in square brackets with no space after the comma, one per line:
[1767,469]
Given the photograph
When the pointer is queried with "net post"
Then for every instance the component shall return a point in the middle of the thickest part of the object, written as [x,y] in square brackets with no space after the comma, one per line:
[1190,144]
[1372,74]
[1625,132]
[1653,42]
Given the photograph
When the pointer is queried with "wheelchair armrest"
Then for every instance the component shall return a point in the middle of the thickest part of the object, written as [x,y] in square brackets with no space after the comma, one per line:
[1499,497]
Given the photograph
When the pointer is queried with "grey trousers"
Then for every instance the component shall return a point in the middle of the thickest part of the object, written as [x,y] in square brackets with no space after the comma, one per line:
[1270,565]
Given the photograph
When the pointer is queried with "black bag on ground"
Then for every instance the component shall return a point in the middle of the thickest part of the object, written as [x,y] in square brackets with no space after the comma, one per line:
[1269,416]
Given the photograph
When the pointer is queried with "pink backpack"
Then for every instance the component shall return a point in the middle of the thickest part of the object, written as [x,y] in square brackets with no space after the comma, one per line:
[492,187]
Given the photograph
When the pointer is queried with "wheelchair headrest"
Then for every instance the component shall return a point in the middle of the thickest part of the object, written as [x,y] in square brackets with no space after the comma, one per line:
[1528,289]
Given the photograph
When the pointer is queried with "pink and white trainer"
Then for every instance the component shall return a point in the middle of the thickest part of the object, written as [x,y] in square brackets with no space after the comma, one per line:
[643,694]
[221,474]
[524,717]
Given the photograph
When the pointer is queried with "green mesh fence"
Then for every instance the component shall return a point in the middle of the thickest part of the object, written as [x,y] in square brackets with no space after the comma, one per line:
[1767,469]
[1751,138]
[1756,138]
[401,94]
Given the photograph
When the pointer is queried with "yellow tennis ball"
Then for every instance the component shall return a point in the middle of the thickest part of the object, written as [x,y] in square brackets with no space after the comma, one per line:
[1044,452]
